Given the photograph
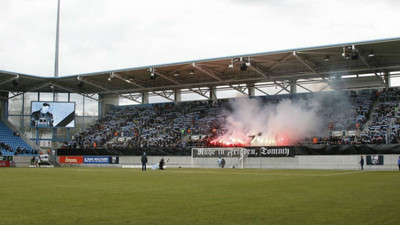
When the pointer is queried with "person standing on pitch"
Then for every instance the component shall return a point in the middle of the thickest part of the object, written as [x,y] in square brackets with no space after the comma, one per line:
[398,163]
[161,164]
[144,161]
[222,163]
[362,163]
[219,161]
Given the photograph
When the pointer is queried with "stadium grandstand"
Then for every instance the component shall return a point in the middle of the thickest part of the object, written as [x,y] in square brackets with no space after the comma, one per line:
[179,106]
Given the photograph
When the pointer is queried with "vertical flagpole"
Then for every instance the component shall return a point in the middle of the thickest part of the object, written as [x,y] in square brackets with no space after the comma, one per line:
[57,40]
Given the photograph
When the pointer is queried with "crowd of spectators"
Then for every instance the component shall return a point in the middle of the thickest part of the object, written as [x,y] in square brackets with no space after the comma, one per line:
[152,125]
[384,125]
[377,119]
[347,116]
[368,114]
[6,147]
[25,151]
[18,151]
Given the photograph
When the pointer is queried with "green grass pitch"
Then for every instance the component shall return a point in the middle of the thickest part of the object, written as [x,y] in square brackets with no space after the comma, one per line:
[197,196]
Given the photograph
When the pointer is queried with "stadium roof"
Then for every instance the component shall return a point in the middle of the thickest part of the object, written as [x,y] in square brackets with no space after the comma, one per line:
[378,57]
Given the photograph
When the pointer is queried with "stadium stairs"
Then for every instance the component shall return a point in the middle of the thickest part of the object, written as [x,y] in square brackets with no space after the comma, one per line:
[369,119]
[113,140]
[14,141]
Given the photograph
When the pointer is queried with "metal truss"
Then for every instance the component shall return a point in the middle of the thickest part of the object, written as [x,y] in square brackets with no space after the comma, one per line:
[310,65]
[279,62]
[201,92]
[260,90]
[369,65]
[266,74]
[165,94]
[246,80]
[161,74]
[305,88]
[72,91]
[30,90]
[161,94]
[9,80]
[105,89]
[213,75]
[115,75]
[136,97]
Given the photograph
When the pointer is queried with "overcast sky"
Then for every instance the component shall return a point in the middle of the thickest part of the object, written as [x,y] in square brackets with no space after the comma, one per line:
[98,35]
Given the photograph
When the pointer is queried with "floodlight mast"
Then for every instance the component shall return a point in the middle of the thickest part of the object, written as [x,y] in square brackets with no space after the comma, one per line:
[57,40]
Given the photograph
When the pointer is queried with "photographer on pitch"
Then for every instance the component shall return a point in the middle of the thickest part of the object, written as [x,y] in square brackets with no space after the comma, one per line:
[162,163]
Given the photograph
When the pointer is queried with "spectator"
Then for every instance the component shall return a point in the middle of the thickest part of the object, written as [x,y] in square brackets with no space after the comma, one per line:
[144,161]
[362,163]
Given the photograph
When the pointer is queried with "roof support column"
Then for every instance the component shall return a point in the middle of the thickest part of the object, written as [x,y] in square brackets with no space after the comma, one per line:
[293,86]
[251,90]
[108,100]
[177,95]
[213,95]
[3,100]
[386,77]
[145,98]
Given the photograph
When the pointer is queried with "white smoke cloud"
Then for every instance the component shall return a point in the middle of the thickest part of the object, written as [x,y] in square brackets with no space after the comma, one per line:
[288,122]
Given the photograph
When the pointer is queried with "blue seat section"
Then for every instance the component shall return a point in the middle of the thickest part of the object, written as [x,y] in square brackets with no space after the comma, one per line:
[16,146]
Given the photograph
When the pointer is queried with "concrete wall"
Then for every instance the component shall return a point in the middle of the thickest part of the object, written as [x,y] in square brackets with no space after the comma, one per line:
[106,102]
[335,162]
[22,161]
[339,162]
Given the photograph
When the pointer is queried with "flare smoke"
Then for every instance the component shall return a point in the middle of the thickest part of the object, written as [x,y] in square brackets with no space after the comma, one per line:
[253,122]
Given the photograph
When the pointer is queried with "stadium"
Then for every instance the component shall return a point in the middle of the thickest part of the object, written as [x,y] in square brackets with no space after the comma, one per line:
[294,136]
[308,114]
[326,100]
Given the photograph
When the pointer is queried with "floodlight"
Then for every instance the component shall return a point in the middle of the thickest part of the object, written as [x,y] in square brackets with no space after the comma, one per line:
[371,54]
[15,82]
[243,66]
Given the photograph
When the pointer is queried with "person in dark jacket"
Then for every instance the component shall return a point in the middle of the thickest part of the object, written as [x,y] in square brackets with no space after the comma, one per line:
[42,117]
[162,164]
[144,161]
[362,163]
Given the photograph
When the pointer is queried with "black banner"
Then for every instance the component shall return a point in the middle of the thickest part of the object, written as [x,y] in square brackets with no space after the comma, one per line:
[371,149]
[217,152]
[375,160]
[271,151]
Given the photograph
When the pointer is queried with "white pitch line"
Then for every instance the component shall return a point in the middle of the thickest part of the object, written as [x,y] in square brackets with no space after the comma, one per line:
[270,174]
[346,173]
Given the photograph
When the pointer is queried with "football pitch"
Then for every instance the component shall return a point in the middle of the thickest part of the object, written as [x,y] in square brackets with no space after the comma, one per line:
[197,196]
